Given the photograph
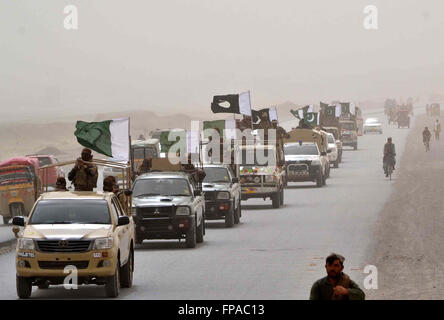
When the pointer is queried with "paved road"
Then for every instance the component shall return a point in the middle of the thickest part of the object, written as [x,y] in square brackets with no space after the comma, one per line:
[273,253]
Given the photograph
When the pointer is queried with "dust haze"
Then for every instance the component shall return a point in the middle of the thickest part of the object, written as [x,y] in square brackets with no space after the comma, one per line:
[172,56]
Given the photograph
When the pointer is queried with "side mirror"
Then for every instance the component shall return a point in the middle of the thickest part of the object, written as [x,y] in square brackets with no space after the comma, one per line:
[128,192]
[235,180]
[323,153]
[18,221]
[123,221]
[197,193]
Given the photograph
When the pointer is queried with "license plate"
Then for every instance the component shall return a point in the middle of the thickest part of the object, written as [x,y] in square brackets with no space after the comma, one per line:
[250,190]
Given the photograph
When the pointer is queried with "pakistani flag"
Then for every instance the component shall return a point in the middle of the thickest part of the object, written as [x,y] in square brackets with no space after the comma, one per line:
[110,137]
[345,107]
[232,103]
[312,118]
[300,113]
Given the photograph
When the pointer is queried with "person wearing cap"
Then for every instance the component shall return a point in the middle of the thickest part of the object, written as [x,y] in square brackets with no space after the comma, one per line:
[336,285]
[84,175]
[61,184]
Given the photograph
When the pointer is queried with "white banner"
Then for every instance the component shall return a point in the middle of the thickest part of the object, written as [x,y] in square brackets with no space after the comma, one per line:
[338,110]
[273,114]
[245,103]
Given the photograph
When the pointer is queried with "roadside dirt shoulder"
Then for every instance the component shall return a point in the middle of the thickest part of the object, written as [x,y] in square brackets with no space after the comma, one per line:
[409,234]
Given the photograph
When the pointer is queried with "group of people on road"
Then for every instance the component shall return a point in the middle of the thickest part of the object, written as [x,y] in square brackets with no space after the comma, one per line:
[389,148]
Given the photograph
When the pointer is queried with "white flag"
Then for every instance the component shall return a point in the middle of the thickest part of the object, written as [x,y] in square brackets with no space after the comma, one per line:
[245,103]
[338,110]
[273,114]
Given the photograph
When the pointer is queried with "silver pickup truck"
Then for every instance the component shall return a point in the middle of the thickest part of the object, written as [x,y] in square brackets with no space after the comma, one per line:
[167,205]
[222,194]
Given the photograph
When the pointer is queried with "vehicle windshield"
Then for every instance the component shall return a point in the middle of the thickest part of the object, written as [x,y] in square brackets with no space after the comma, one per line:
[141,153]
[371,120]
[44,161]
[15,176]
[333,132]
[216,175]
[67,211]
[258,157]
[305,149]
[348,125]
[331,139]
[161,187]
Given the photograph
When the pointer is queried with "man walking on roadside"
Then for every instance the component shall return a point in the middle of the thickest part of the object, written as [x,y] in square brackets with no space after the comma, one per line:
[336,285]
[437,129]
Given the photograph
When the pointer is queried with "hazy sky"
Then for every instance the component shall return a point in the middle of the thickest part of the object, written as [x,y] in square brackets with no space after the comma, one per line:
[171,55]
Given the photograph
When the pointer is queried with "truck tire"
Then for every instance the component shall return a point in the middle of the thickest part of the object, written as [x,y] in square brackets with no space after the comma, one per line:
[126,278]
[112,284]
[237,213]
[282,197]
[319,181]
[276,200]
[200,232]
[24,287]
[190,241]
[229,218]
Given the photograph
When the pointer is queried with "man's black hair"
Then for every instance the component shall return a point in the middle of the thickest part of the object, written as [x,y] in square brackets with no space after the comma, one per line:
[333,257]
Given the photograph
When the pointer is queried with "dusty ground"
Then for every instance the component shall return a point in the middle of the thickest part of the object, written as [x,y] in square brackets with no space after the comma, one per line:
[409,233]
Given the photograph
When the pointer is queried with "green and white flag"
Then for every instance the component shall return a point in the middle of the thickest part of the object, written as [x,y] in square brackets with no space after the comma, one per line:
[300,113]
[311,118]
[110,137]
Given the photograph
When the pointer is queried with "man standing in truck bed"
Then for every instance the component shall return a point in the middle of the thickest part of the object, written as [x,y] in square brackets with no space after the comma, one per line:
[84,176]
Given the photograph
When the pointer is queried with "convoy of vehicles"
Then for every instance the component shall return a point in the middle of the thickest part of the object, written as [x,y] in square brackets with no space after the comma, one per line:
[168,204]
[372,125]
[94,233]
[222,192]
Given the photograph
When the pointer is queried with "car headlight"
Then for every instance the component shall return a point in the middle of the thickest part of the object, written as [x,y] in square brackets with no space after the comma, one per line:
[25,244]
[223,195]
[257,180]
[270,179]
[183,211]
[103,243]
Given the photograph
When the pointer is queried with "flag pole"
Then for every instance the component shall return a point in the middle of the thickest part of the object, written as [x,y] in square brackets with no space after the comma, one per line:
[251,112]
